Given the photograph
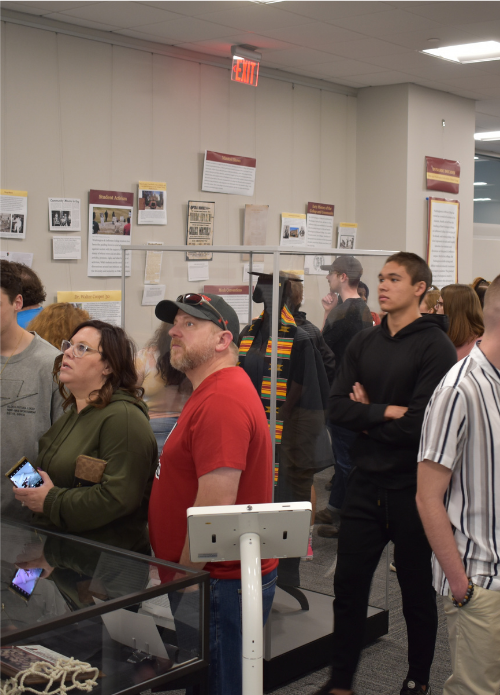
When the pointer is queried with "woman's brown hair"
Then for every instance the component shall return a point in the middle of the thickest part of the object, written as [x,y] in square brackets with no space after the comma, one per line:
[161,341]
[431,299]
[119,352]
[57,321]
[461,305]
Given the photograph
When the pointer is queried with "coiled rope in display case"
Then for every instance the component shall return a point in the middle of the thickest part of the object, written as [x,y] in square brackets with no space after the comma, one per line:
[63,676]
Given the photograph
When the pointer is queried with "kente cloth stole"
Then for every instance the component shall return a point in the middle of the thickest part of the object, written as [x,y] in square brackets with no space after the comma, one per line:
[286,333]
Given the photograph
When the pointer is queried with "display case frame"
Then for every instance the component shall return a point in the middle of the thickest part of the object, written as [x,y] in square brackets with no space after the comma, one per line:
[194,672]
[290,653]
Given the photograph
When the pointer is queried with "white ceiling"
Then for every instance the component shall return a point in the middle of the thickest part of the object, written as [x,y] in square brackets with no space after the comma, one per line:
[352,43]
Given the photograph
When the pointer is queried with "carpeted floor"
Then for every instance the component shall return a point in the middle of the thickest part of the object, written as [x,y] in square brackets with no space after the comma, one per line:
[383,664]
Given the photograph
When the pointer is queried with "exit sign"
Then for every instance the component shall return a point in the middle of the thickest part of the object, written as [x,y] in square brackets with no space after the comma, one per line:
[245,71]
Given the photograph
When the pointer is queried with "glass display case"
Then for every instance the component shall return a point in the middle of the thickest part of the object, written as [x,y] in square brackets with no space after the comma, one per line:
[298,635]
[140,621]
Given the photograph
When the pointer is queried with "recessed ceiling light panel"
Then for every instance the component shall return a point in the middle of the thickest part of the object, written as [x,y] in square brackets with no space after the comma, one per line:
[468,52]
[485,137]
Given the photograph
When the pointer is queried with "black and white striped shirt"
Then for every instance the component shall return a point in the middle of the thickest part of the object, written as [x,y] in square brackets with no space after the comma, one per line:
[461,431]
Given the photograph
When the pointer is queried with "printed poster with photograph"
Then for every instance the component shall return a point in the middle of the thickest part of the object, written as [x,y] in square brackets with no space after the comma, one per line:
[110,213]
[152,203]
[293,229]
[200,228]
[347,235]
[13,213]
[64,215]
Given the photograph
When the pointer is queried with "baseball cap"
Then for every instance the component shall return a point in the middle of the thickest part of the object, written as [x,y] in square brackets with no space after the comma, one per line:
[345,264]
[167,310]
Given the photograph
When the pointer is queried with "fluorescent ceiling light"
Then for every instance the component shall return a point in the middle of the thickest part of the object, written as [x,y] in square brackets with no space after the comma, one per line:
[480,200]
[492,135]
[468,52]
[480,183]
[476,157]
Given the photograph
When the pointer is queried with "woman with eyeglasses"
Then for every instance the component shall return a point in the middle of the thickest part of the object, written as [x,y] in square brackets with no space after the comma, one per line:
[105,496]
[462,307]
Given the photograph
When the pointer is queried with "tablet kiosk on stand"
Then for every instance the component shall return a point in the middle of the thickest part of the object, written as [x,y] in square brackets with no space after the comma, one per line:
[249,533]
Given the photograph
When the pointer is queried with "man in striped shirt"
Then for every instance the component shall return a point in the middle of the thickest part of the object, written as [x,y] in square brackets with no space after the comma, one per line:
[460,456]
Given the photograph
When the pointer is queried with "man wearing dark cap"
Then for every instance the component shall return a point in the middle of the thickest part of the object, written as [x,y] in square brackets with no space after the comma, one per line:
[342,322]
[218,453]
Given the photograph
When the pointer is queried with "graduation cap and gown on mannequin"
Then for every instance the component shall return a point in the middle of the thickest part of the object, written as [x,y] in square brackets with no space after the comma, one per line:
[303,445]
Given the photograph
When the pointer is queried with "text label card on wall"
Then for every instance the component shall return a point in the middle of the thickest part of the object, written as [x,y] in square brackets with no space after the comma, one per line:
[442,250]
[228,173]
[235,295]
[13,213]
[109,230]
[104,305]
[319,236]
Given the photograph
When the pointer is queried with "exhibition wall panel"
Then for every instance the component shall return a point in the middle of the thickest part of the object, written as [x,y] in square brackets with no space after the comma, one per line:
[78,114]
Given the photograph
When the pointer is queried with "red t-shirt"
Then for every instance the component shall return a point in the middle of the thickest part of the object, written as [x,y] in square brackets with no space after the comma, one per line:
[222,425]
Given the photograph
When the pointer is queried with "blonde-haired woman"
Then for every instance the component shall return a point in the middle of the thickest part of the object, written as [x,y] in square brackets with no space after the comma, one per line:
[57,321]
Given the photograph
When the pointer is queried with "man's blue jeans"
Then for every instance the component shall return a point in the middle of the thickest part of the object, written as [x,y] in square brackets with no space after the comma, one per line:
[342,441]
[225,629]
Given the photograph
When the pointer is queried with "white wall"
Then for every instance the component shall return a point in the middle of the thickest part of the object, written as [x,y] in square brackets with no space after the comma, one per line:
[397,126]
[427,137]
[78,114]
[486,251]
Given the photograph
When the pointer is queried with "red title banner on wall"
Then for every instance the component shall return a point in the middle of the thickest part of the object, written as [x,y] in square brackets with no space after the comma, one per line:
[443,175]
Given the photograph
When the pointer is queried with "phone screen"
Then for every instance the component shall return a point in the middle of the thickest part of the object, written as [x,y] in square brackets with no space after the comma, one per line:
[26,476]
[24,581]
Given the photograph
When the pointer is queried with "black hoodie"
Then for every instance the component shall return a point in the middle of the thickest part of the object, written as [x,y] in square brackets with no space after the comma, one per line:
[403,369]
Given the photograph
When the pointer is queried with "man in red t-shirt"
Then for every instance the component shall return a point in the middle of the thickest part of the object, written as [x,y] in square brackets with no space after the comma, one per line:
[218,453]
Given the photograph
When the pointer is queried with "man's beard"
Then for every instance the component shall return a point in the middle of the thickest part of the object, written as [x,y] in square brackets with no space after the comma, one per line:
[188,359]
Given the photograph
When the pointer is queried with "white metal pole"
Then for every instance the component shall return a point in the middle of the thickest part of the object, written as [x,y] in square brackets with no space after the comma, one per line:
[251,609]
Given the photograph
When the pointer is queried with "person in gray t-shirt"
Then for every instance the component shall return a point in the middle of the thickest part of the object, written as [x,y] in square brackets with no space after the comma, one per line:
[29,397]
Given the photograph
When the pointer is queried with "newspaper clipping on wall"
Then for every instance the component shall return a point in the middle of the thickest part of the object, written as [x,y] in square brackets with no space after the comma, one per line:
[200,228]
[64,215]
[110,213]
[152,203]
[13,213]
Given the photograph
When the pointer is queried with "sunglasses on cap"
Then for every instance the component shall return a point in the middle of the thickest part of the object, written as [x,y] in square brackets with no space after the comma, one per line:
[196,299]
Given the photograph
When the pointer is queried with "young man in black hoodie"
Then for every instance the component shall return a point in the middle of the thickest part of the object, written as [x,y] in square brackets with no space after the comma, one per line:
[387,377]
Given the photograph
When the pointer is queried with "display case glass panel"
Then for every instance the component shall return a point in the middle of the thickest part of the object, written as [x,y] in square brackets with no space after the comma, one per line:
[139,620]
